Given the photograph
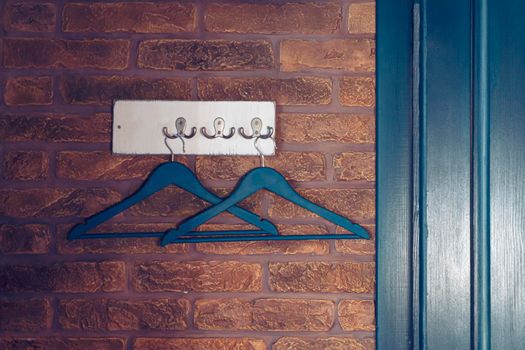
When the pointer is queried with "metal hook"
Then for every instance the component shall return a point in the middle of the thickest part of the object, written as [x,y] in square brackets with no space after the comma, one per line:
[167,136]
[180,125]
[259,150]
[218,125]
[256,124]
[172,155]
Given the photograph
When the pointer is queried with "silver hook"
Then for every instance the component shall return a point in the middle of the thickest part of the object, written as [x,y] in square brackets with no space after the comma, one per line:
[172,155]
[180,125]
[259,150]
[167,136]
[218,125]
[256,125]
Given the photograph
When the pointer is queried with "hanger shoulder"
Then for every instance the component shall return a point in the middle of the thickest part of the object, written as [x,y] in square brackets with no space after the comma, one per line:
[283,188]
[248,185]
[253,181]
[172,173]
[154,183]
[199,219]
[188,181]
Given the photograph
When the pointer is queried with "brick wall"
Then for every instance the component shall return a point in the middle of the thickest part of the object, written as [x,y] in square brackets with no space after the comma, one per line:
[62,66]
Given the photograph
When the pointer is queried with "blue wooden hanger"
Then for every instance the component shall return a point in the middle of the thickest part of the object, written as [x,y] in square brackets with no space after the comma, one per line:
[255,180]
[170,173]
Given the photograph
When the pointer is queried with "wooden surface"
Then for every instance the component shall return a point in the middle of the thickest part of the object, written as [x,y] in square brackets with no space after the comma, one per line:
[394,153]
[464,288]
[507,176]
[138,124]
[445,176]
[480,261]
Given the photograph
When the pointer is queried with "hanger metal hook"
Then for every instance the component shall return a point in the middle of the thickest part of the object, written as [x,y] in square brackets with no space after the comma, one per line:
[167,136]
[172,155]
[218,125]
[180,126]
[256,125]
[259,150]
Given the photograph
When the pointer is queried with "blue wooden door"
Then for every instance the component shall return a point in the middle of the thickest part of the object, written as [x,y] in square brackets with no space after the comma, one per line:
[451,174]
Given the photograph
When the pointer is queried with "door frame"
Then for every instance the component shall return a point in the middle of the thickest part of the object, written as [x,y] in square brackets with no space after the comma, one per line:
[394,164]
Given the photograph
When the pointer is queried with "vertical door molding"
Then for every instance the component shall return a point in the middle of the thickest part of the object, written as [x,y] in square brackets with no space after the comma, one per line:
[394,174]
[444,176]
[506,112]
[480,179]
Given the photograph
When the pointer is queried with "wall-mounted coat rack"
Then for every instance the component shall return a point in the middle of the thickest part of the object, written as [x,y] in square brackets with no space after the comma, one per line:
[205,127]
[131,119]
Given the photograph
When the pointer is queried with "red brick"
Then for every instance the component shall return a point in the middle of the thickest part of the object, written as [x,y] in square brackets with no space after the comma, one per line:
[72,277]
[24,239]
[322,277]
[114,315]
[25,315]
[224,227]
[224,167]
[25,165]
[55,128]
[331,343]
[56,343]
[356,315]
[254,203]
[362,18]
[120,245]
[350,55]
[294,166]
[264,314]
[197,276]
[357,246]
[104,166]
[105,90]
[55,202]
[284,247]
[301,229]
[311,128]
[355,166]
[198,344]
[287,17]
[52,53]
[169,202]
[29,17]
[356,204]
[357,91]
[176,202]
[264,247]
[297,166]
[214,55]
[23,91]
[142,17]
[168,314]
[292,91]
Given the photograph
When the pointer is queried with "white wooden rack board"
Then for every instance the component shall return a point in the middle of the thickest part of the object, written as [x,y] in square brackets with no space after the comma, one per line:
[138,127]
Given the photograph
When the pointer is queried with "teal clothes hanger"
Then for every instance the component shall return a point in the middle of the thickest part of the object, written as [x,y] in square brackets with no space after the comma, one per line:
[170,173]
[255,180]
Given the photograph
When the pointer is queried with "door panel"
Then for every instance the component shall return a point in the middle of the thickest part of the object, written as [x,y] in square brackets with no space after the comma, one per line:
[451,175]
[507,173]
[445,175]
